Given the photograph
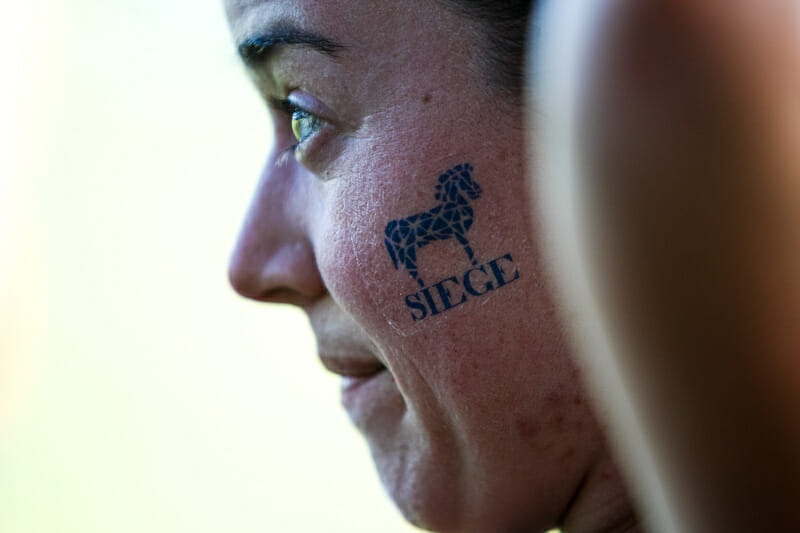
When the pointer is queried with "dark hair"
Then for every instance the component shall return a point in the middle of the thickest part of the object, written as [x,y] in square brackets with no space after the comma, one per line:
[505,24]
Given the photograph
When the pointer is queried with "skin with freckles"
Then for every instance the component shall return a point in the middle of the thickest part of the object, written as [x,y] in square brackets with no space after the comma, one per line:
[475,415]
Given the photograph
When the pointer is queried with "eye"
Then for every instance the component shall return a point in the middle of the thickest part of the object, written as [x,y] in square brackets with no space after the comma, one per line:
[304,124]
[302,114]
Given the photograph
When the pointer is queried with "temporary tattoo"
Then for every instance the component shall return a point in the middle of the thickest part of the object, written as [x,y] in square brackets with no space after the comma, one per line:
[451,218]
[454,291]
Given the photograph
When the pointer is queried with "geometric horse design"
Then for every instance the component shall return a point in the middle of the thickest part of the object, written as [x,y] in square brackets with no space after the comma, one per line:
[450,218]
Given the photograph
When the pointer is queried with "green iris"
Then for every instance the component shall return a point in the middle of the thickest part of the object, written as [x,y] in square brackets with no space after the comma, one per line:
[304,124]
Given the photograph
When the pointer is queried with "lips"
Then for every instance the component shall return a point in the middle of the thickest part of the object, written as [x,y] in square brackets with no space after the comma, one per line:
[369,393]
[352,366]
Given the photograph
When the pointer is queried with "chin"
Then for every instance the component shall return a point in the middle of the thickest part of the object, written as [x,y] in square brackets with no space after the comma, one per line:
[424,489]
[436,488]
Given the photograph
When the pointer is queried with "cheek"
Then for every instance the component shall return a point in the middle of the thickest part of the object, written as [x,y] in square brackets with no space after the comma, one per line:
[352,255]
[372,187]
[363,269]
[358,268]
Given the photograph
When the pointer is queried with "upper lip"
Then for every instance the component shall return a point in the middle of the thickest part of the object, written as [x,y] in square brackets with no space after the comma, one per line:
[351,366]
[343,347]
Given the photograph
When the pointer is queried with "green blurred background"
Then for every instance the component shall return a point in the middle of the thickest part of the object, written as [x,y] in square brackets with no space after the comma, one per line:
[138,393]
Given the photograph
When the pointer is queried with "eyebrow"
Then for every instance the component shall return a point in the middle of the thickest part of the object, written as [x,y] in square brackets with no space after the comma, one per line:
[255,51]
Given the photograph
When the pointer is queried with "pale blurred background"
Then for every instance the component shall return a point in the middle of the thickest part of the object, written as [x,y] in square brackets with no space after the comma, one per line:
[138,393]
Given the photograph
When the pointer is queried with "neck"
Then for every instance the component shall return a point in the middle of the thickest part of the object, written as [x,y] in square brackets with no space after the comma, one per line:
[601,504]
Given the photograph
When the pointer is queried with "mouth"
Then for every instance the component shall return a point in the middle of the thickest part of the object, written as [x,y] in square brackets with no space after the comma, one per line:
[356,372]
[367,384]
[352,368]
[368,392]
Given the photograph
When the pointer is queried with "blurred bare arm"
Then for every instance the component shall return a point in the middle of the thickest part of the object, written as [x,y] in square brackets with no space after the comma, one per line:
[688,227]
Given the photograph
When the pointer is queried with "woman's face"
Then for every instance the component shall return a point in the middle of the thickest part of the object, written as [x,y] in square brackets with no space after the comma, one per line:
[401,224]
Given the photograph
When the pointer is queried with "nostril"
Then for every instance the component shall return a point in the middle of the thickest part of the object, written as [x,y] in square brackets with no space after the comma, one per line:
[249,285]
[284,295]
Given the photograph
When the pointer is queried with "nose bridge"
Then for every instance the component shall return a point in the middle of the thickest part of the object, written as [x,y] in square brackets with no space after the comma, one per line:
[273,259]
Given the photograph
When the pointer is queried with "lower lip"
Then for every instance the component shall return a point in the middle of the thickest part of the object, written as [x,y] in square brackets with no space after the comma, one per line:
[350,383]
[368,400]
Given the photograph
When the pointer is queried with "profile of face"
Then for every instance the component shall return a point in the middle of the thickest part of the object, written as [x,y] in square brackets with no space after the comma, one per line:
[393,208]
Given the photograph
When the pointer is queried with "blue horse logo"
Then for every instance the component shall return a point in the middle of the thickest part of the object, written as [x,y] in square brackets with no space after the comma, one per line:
[451,218]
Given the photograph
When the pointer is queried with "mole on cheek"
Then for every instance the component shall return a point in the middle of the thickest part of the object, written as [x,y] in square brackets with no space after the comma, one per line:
[426,99]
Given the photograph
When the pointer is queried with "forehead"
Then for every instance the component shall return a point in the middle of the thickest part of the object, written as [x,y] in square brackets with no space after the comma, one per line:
[247,17]
[250,15]
[374,24]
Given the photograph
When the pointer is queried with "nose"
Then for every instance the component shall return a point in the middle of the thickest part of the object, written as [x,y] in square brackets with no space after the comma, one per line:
[273,260]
